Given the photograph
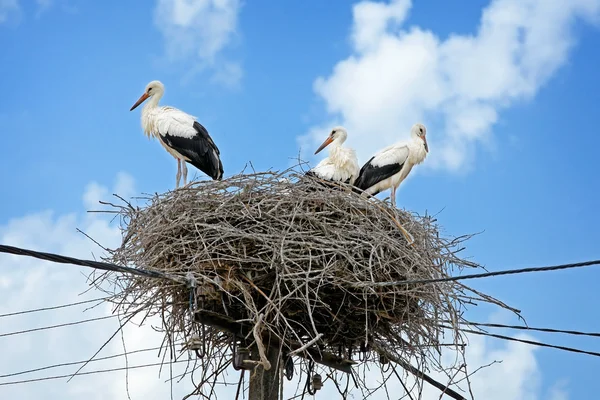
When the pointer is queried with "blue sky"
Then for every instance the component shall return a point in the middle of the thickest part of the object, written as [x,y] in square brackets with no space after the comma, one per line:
[268,80]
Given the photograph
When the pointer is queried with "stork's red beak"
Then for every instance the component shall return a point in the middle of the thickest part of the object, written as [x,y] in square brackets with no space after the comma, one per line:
[326,143]
[425,141]
[140,101]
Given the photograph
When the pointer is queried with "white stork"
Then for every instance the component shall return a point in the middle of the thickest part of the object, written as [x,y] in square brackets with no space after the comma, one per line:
[342,164]
[391,165]
[180,134]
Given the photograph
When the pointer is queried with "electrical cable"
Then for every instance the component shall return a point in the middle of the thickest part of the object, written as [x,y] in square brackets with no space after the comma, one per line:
[56,326]
[85,263]
[528,328]
[52,308]
[156,274]
[47,378]
[532,342]
[487,274]
[75,363]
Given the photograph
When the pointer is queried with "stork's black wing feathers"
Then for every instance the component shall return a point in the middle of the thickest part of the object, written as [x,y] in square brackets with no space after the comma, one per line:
[370,175]
[204,133]
[201,150]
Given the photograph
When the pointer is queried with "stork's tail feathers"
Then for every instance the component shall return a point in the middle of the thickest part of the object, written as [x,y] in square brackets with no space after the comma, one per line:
[219,175]
[215,173]
[359,182]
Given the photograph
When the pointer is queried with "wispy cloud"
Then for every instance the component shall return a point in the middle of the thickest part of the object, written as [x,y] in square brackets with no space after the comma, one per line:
[9,9]
[199,30]
[398,75]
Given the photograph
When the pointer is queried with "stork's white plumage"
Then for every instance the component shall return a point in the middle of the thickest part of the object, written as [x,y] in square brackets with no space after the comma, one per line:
[180,134]
[391,165]
[342,163]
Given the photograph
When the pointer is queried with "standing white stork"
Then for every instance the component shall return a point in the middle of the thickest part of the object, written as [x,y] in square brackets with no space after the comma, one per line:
[342,164]
[391,165]
[180,134]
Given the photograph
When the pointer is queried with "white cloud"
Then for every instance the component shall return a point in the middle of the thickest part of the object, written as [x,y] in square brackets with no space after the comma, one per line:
[519,369]
[27,283]
[201,30]
[8,10]
[397,75]
[373,19]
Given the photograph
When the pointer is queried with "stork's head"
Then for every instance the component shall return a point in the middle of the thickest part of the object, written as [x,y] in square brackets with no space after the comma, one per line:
[153,89]
[337,134]
[419,131]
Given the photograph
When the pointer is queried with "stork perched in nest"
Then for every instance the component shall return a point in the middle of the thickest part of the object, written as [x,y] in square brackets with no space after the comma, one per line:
[391,165]
[180,134]
[342,163]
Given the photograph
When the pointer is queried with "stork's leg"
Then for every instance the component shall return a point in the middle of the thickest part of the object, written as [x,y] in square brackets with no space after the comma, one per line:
[178,172]
[394,196]
[184,166]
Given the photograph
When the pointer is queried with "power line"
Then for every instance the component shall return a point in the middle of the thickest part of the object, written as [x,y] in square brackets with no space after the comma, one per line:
[528,328]
[47,378]
[56,326]
[541,344]
[486,274]
[76,362]
[156,274]
[85,263]
[52,308]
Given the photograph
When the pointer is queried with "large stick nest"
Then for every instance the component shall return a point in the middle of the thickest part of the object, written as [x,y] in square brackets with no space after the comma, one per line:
[305,262]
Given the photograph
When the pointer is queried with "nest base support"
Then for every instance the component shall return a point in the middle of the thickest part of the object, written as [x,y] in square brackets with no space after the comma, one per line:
[229,325]
[264,385]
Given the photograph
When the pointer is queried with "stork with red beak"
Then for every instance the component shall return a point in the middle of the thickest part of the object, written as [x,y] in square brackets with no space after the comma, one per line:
[180,134]
[391,165]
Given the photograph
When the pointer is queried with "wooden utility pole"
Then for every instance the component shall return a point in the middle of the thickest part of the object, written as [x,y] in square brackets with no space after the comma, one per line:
[264,385]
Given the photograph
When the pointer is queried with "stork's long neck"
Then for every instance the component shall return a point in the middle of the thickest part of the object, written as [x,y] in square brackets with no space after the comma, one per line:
[335,147]
[337,143]
[148,115]
[152,102]
[417,150]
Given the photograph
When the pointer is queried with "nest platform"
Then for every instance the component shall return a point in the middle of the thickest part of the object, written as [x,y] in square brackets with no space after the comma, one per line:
[282,258]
